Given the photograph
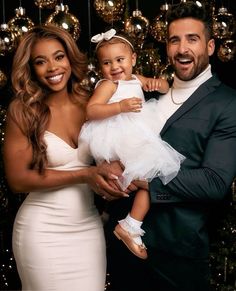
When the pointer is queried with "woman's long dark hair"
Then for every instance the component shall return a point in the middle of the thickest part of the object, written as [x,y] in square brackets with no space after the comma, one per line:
[29,109]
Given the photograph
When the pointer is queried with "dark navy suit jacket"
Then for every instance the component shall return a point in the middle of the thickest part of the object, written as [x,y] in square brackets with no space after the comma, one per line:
[203,129]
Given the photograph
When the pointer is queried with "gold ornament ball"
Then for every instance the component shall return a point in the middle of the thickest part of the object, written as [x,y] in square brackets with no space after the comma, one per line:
[137,27]
[45,3]
[20,24]
[3,79]
[158,28]
[92,76]
[227,50]
[223,24]
[109,10]
[62,18]
[90,80]
[7,40]
[148,62]
[167,72]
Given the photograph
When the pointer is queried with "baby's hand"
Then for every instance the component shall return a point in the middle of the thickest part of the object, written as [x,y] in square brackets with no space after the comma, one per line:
[133,104]
[152,84]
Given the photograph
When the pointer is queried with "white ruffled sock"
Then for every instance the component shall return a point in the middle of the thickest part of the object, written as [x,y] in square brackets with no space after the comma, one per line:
[133,226]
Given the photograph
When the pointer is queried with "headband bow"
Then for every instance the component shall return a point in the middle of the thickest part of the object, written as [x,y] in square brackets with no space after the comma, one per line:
[103,36]
[98,38]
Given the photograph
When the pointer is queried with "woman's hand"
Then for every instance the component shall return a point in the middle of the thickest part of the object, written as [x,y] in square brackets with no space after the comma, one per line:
[103,179]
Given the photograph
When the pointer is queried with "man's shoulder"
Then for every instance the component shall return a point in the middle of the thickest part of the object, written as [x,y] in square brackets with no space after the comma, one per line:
[219,88]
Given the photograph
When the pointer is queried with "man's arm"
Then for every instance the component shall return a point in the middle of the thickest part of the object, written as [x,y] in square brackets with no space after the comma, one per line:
[212,180]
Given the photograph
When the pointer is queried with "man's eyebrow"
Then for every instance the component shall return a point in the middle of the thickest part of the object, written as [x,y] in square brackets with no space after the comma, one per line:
[186,35]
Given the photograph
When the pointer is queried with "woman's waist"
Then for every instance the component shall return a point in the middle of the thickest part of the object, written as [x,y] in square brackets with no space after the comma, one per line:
[78,198]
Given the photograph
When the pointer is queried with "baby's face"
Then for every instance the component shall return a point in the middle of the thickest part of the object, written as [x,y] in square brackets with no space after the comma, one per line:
[116,61]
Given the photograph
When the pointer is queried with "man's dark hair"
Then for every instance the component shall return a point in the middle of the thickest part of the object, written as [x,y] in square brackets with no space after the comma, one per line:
[190,9]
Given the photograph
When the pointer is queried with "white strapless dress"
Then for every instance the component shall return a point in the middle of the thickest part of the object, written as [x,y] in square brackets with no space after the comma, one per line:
[58,237]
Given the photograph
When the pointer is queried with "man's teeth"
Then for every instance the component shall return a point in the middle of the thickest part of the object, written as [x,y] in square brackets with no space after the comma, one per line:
[184,60]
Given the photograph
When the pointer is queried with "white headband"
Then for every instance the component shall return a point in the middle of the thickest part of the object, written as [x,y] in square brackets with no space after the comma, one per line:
[99,38]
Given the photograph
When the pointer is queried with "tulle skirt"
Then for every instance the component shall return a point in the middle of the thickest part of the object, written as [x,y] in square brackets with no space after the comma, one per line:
[134,139]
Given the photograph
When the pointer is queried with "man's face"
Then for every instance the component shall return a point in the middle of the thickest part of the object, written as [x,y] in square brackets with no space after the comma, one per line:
[188,49]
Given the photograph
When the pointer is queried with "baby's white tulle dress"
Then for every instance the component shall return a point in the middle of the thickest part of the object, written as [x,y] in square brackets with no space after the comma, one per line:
[133,138]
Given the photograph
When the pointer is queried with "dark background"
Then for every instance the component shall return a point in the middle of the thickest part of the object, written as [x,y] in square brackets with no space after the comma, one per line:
[91,23]
[82,8]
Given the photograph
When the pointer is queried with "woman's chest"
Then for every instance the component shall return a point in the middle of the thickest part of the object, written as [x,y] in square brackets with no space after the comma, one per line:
[67,124]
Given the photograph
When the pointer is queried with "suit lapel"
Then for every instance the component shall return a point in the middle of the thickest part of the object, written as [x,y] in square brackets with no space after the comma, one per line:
[201,92]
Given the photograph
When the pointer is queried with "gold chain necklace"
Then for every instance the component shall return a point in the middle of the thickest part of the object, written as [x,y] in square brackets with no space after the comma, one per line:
[172,98]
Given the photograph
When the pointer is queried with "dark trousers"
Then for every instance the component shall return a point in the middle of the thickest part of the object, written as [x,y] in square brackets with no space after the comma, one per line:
[161,272]
[126,272]
[174,273]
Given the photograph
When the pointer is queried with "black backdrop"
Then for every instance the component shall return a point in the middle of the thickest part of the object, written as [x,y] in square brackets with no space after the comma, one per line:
[91,24]
[9,203]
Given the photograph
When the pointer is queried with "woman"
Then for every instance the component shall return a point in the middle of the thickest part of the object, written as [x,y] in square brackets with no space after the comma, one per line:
[58,239]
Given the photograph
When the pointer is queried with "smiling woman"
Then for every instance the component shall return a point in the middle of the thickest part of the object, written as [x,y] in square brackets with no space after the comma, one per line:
[58,239]
[91,23]
[53,68]
[34,101]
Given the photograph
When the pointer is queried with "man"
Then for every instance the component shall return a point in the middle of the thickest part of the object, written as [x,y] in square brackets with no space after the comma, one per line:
[200,123]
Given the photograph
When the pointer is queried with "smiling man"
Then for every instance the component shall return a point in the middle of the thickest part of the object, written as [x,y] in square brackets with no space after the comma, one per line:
[200,123]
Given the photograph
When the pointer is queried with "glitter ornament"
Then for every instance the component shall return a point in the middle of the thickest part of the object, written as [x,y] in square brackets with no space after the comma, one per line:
[227,50]
[62,18]
[158,28]
[167,72]
[148,62]
[20,24]
[223,24]
[109,10]
[137,27]
[3,79]
[7,40]
[92,77]
[45,3]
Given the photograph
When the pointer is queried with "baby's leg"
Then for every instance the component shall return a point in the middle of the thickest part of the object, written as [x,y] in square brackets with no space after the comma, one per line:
[129,229]
[141,205]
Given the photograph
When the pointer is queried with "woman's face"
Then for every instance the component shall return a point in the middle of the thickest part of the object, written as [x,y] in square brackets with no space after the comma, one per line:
[51,64]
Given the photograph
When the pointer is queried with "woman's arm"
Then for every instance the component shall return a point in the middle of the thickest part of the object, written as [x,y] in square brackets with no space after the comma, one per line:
[154,84]
[98,108]
[17,154]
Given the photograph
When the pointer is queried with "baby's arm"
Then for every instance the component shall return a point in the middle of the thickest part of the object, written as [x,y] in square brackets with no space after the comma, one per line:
[154,84]
[98,107]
